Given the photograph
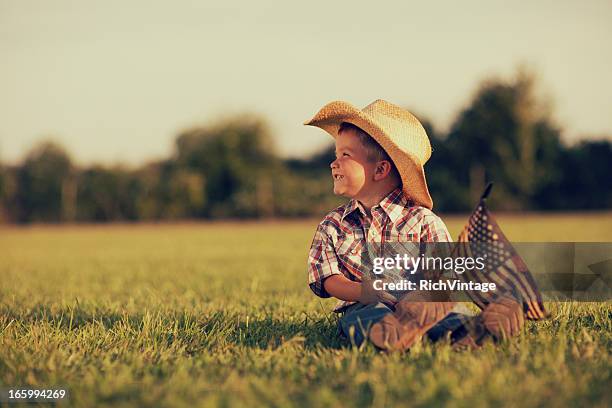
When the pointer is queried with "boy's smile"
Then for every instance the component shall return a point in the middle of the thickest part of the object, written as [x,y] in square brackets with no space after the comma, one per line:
[351,170]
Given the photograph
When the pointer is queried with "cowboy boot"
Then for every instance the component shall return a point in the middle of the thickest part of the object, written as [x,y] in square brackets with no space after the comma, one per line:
[414,315]
[501,319]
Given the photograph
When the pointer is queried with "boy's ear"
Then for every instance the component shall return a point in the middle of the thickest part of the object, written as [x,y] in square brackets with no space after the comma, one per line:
[383,168]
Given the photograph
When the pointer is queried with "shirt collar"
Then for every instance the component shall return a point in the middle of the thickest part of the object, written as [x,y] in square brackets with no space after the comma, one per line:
[393,205]
[350,207]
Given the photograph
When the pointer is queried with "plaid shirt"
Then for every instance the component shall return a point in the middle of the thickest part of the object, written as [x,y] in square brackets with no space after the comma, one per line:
[342,235]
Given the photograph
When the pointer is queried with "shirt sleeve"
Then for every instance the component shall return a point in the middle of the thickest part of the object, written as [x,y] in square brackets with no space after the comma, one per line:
[434,230]
[322,262]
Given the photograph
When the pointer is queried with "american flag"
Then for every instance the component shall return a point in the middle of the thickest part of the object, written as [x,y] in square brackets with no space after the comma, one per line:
[482,237]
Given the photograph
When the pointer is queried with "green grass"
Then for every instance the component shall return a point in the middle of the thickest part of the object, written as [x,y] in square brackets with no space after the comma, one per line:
[220,314]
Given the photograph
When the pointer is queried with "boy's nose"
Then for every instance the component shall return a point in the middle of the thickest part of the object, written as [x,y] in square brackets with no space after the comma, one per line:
[333,164]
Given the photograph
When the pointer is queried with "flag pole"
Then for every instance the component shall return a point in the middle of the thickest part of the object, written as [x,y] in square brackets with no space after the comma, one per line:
[486,192]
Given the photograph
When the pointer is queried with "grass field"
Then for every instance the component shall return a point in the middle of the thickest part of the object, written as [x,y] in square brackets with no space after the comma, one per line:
[220,314]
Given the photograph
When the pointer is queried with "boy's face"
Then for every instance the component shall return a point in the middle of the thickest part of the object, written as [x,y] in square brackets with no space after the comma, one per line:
[352,171]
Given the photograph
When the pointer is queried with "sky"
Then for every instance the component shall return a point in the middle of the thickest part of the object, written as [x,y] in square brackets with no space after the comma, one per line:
[116,81]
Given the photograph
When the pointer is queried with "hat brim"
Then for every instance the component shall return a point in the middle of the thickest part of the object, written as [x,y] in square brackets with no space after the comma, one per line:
[414,184]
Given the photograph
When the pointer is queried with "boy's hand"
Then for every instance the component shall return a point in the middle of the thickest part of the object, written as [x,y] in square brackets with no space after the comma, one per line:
[370,295]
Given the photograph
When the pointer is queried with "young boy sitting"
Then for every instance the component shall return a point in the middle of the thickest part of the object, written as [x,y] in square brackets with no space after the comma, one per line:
[380,153]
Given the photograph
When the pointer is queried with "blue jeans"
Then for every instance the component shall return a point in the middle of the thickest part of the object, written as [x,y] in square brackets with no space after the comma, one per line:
[358,318]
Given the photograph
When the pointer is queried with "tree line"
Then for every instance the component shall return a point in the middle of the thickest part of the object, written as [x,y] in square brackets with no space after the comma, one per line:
[230,169]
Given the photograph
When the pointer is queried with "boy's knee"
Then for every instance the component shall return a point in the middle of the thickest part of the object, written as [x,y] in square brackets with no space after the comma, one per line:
[357,320]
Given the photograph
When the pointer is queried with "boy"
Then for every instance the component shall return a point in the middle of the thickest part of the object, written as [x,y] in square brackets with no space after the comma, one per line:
[380,153]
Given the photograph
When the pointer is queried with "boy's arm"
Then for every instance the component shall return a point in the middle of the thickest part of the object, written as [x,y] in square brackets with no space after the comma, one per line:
[322,263]
[434,230]
[325,278]
[363,292]
[339,286]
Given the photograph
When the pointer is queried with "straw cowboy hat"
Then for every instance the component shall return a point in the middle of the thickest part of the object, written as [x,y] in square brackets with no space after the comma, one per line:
[396,130]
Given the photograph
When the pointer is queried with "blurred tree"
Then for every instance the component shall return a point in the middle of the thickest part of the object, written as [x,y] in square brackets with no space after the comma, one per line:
[236,157]
[446,191]
[107,194]
[230,169]
[44,185]
[300,194]
[3,194]
[185,195]
[169,192]
[585,182]
[8,193]
[150,201]
[505,135]
[318,163]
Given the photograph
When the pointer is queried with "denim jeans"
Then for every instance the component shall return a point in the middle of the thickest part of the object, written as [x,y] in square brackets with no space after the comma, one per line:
[358,318]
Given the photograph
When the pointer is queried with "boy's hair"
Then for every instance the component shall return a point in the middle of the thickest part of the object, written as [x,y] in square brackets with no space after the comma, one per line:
[375,152]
